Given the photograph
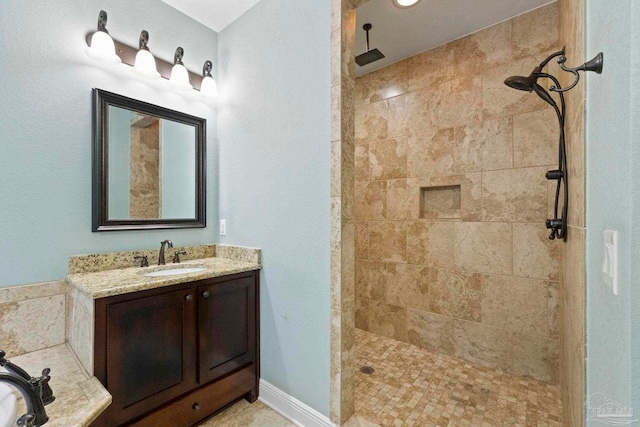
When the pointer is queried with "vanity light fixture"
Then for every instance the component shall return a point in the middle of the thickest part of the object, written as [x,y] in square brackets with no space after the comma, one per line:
[145,65]
[179,75]
[209,86]
[101,46]
[403,4]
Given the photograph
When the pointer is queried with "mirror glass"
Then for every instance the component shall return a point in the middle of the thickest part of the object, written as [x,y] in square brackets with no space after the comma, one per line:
[148,166]
[152,167]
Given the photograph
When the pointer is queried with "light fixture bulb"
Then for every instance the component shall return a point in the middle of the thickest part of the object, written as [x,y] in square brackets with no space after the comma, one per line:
[180,78]
[209,87]
[101,46]
[145,66]
[406,3]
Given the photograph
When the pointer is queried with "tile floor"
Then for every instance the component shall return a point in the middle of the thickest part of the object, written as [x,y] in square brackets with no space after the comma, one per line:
[244,414]
[416,387]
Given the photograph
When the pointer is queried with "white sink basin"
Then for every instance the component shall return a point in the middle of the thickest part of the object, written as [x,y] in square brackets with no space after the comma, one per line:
[8,409]
[173,272]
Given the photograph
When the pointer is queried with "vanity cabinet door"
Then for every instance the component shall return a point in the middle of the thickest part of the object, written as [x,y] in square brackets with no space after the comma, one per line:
[151,352]
[227,327]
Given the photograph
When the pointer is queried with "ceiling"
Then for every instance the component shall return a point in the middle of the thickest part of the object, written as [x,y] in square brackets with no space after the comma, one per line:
[215,14]
[402,33]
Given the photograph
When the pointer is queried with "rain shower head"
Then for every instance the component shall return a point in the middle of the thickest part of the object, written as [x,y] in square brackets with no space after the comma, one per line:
[371,55]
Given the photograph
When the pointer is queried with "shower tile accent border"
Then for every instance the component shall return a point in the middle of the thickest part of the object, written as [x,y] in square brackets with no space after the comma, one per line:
[114,260]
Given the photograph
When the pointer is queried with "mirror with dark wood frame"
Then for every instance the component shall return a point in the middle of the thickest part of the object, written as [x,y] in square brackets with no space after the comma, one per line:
[149,166]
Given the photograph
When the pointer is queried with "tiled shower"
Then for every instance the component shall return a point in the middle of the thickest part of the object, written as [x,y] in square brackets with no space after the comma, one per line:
[452,253]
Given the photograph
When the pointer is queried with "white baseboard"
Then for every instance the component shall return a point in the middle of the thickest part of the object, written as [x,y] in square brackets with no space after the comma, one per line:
[291,408]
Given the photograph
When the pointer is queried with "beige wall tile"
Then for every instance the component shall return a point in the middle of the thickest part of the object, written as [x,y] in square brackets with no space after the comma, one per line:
[408,286]
[498,100]
[362,313]
[403,200]
[371,122]
[534,255]
[431,153]
[388,241]
[24,328]
[336,225]
[471,186]
[362,240]
[554,310]
[430,68]
[409,113]
[371,280]
[79,329]
[431,331]
[515,303]
[485,48]
[536,32]
[535,139]
[515,195]
[430,243]
[455,294]
[483,344]
[484,146]
[370,200]
[483,247]
[535,357]
[388,159]
[383,319]
[456,102]
[383,84]
[38,290]
[362,163]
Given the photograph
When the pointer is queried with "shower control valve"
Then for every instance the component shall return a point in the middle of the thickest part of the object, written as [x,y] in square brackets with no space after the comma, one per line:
[555,175]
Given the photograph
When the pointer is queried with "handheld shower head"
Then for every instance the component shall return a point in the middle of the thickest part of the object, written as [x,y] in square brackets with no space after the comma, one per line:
[521,82]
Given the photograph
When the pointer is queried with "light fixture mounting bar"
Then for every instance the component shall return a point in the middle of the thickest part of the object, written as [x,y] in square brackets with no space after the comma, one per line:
[128,56]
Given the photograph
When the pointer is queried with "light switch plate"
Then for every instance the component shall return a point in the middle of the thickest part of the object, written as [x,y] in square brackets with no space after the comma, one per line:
[610,261]
[223,227]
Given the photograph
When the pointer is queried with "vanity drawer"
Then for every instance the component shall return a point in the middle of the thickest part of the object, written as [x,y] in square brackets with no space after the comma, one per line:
[210,398]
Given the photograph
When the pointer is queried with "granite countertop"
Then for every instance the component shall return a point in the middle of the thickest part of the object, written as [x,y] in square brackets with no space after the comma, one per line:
[126,280]
[79,397]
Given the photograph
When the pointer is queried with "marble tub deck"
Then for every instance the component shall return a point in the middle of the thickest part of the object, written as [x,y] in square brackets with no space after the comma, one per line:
[79,397]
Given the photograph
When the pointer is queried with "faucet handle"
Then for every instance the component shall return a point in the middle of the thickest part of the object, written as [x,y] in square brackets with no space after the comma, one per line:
[26,420]
[2,359]
[47,393]
[144,260]
[176,256]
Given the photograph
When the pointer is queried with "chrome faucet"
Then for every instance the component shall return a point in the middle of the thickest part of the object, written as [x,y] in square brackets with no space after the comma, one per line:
[36,391]
[161,255]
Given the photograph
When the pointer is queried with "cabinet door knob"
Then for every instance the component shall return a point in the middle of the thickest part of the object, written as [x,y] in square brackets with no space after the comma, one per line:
[189,298]
[206,294]
[196,407]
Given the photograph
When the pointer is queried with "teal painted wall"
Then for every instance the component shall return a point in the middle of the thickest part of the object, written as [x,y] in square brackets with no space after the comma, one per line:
[274,134]
[45,126]
[635,197]
[119,161]
[612,177]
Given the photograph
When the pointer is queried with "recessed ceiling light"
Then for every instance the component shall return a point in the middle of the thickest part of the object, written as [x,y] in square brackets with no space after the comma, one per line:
[406,3]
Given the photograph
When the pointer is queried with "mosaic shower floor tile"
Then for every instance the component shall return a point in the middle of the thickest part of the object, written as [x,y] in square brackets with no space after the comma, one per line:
[411,386]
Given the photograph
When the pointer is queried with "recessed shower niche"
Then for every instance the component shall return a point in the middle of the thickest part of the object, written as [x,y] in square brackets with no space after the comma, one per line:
[442,202]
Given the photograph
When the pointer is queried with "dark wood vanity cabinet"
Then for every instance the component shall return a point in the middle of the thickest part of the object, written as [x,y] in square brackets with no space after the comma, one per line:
[176,355]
